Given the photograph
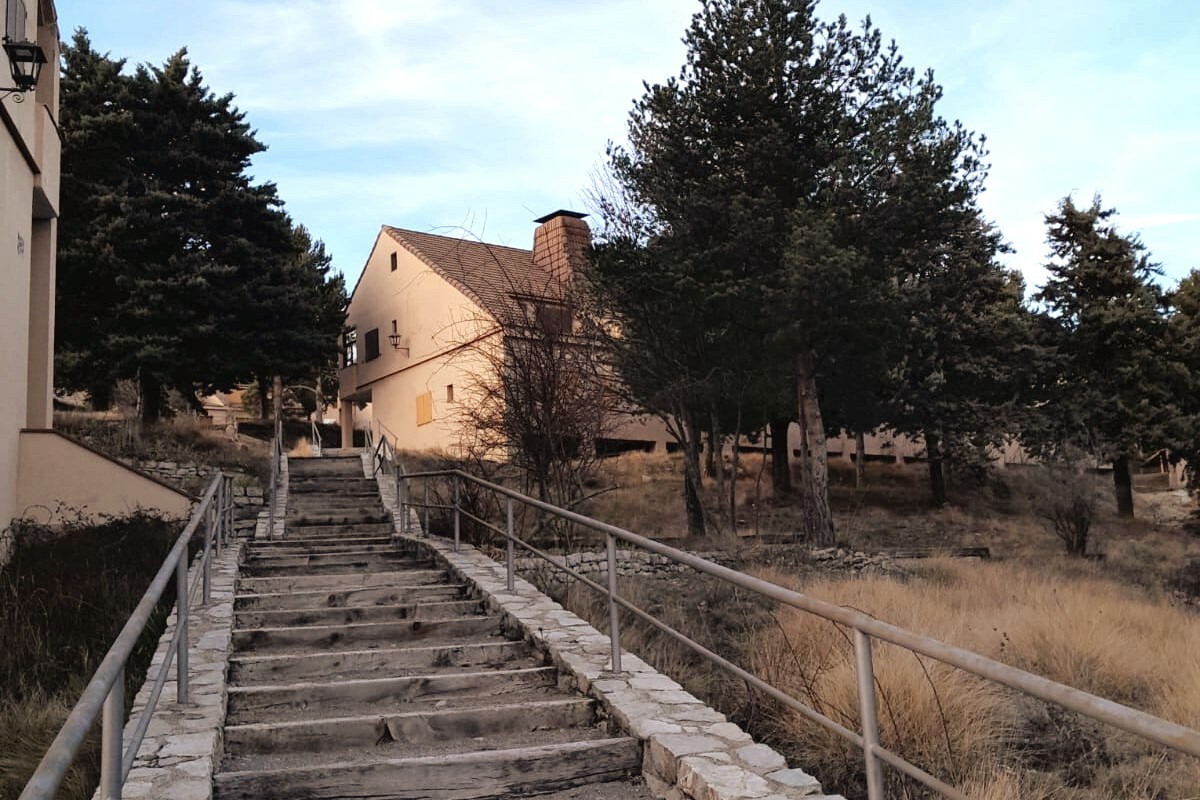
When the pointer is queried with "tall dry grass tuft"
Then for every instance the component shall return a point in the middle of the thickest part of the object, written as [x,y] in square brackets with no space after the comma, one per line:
[1084,632]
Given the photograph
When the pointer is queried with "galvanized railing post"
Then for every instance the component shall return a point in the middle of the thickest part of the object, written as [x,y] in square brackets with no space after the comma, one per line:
[425,505]
[396,477]
[111,753]
[511,556]
[404,506]
[229,507]
[868,713]
[206,561]
[457,520]
[614,620]
[219,512]
[181,623]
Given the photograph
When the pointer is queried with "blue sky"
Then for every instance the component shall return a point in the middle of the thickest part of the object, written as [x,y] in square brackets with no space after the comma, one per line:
[481,114]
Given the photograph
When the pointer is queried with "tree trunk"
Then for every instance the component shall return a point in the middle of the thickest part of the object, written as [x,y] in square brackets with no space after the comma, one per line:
[781,470]
[691,473]
[1123,483]
[818,519]
[860,460]
[152,397]
[710,464]
[264,398]
[937,475]
[716,444]
[735,452]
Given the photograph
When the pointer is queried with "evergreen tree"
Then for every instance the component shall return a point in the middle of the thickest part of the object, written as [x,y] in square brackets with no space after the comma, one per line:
[787,181]
[98,134]
[1104,318]
[180,272]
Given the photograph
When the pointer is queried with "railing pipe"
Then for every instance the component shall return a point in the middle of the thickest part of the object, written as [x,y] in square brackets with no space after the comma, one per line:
[457,516]
[113,723]
[614,616]
[1131,720]
[182,695]
[206,560]
[510,560]
[868,714]
[62,751]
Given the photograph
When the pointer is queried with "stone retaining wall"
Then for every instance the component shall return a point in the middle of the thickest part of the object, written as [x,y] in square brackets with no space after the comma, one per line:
[191,477]
[594,564]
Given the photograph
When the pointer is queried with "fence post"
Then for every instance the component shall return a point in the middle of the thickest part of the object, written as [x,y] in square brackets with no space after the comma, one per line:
[425,505]
[181,623]
[207,556]
[399,502]
[614,621]
[457,520]
[404,506]
[868,713]
[219,513]
[111,752]
[510,558]
[229,507]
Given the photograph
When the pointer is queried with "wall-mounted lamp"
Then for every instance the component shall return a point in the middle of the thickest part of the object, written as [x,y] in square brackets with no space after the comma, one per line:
[26,60]
[394,339]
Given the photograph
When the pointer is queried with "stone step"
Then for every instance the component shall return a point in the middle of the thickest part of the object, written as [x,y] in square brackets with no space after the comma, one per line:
[355,614]
[409,577]
[280,548]
[492,651]
[295,532]
[311,637]
[260,704]
[350,464]
[327,544]
[329,485]
[351,517]
[369,562]
[343,598]
[408,728]
[514,772]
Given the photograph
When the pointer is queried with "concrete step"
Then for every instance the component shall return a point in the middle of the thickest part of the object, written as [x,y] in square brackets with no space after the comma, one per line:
[375,562]
[409,728]
[343,598]
[325,465]
[316,637]
[309,519]
[493,652]
[296,532]
[280,548]
[277,584]
[327,544]
[354,614]
[513,772]
[260,704]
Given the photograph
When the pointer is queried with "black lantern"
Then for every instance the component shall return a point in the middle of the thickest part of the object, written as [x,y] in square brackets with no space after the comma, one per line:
[394,339]
[26,60]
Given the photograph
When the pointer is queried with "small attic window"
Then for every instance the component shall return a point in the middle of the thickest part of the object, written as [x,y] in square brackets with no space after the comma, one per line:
[394,262]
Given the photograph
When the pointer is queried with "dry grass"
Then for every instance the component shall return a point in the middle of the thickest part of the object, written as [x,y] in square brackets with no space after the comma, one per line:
[1085,632]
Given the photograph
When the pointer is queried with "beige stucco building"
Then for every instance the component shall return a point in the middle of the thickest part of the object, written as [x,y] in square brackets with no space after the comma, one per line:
[39,469]
[422,328]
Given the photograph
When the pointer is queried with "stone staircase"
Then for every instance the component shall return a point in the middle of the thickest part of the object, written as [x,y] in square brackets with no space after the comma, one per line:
[361,669]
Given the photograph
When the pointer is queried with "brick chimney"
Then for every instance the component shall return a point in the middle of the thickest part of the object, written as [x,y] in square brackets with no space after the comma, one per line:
[559,243]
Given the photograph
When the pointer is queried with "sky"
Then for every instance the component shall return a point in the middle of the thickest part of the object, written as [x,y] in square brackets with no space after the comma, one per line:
[477,116]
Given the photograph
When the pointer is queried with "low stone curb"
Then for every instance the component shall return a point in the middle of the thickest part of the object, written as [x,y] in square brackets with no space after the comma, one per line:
[183,743]
[689,750]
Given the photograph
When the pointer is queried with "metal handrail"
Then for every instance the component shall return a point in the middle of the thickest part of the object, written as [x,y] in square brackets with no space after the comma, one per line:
[315,430]
[105,693]
[866,628]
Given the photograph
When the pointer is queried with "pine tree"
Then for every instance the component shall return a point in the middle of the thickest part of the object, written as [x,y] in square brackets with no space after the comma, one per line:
[179,271]
[1105,319]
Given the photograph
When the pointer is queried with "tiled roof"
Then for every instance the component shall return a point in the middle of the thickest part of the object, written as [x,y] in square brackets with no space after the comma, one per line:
[490,274]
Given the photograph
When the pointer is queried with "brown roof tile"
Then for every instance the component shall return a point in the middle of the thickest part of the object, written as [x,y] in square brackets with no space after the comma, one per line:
[490,274]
